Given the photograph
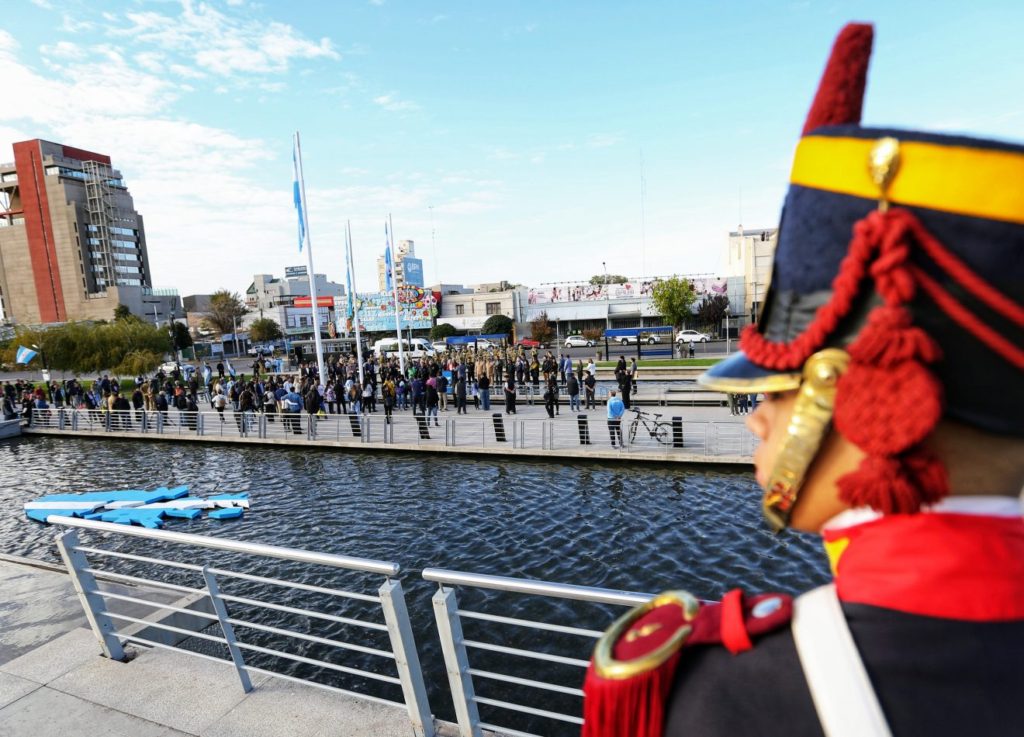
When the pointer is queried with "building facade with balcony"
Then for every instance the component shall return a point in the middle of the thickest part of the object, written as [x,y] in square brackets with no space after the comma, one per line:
[286,301]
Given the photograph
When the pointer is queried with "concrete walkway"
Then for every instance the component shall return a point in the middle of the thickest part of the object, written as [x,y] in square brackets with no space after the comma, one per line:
[710,434]
[55,683]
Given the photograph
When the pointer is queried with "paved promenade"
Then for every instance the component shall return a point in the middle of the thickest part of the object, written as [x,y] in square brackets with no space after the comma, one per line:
[701,435]
[55,683]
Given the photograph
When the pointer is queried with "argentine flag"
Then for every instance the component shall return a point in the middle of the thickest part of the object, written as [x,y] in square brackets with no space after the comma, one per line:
[297,193]
[387,259]
[24,354]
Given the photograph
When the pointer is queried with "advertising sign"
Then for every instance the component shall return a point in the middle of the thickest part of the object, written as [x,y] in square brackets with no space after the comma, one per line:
[413,270]
[307,301]
[376,311]
[290,272]
[586,292]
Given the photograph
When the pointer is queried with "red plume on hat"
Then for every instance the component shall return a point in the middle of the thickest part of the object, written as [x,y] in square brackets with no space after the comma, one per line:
[840,97]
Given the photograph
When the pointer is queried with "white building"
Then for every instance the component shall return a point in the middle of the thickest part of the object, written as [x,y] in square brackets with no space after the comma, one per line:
[749,255]
[286,301]
[470,311]
[408,268]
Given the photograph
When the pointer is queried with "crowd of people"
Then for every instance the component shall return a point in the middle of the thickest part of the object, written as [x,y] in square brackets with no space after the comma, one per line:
[429,385]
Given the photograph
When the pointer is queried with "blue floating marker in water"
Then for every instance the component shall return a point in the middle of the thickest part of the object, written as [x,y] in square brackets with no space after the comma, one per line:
[228,513]
[183,513]
[151,518]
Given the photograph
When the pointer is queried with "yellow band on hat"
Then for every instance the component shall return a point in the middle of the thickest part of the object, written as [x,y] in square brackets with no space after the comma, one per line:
[975,182]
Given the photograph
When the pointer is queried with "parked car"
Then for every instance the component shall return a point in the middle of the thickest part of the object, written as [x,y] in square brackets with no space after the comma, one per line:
[483,345]
[692,336]
[632,339]
[169,366]
[439,346]
[578,341]
[528,343]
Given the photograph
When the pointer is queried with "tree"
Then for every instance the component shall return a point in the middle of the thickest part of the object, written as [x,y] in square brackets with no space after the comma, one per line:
[442,330]
[497,325]
[711,312]
[128,346]
[121,312]
[181,336]
[674,298]
[225,309]
[541,330]
[264,330]
[594,334]
[608,279]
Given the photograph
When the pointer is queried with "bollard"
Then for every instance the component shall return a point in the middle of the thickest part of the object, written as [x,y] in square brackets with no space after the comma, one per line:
[584,428]
[677,432]
[424,424]
[499,427]
[357,430]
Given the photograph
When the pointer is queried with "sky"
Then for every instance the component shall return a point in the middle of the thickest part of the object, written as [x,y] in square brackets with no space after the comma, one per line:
[515,140]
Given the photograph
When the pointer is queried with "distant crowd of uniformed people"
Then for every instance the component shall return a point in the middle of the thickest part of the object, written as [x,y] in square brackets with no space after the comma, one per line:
[429,385]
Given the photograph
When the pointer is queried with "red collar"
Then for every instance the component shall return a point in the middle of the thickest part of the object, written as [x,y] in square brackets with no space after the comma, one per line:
[937,564]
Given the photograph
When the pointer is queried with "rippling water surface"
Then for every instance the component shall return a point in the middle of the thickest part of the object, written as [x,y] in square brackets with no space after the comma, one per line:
[634,527]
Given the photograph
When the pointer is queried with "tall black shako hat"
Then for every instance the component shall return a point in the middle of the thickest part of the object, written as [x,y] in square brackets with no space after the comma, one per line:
[905,250]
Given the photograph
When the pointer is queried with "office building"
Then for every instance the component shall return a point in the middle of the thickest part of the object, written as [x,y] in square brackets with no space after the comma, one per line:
[72,245]
[408,268]
[287,301]
[749,255]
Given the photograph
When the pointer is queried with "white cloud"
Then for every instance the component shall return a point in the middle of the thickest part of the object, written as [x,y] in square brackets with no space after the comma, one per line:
[602,140]
[392,103]
[7,42]
[44,4]
[220,43]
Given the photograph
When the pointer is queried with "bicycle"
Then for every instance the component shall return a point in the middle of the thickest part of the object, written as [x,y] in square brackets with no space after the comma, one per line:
[658,429]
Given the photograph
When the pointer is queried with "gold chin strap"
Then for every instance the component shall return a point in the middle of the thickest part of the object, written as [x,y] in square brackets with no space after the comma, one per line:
[812,415]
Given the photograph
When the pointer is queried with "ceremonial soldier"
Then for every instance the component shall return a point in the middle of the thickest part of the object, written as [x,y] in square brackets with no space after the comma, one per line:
[890,354]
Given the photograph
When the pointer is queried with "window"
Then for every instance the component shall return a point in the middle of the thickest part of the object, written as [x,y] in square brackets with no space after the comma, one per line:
[460,309]
[11,176]
[493,308]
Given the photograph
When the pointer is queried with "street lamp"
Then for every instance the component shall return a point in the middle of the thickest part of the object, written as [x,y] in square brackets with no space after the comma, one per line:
[42,358]
[728,336]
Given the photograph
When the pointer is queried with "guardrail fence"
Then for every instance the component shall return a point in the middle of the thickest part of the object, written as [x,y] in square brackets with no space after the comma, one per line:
[225,611]
[651,431]
[498,676]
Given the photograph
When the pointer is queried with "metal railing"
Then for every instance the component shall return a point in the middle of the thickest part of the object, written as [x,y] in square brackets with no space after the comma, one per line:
[384,658]
[490,431]
[512,641]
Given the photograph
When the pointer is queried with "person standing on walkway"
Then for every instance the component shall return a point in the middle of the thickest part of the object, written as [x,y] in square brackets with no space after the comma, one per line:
[293,411]
[460,395]
[484,390]
[432,402]
[572,386]
[626,385]
[590,388]
[615,411]
[510,396]
[550,392]
[220,402]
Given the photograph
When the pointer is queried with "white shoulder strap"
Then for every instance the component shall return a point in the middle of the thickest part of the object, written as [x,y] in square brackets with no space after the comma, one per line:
[839,684]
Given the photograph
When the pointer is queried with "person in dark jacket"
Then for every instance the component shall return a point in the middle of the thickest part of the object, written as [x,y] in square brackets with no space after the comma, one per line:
[510,396]
[460,395]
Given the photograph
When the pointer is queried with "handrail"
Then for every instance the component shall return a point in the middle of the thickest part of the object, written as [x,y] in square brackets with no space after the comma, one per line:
[234,546]
[540,588]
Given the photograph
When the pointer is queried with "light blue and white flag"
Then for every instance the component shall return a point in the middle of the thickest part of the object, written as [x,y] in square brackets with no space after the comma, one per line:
[388,268]
[297,194]
[231,369]
[25,354]
[350,310]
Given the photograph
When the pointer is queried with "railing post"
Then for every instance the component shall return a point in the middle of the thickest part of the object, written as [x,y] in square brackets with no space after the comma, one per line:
[159,423]
[144,422]
[200,424]
[106,420]
[74,420]
[92,603]
[456,661]
[60,419]
[263,425]
[227,629]
[396,615]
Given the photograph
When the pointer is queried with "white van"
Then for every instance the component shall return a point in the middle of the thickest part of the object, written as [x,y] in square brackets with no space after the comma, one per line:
[416,348]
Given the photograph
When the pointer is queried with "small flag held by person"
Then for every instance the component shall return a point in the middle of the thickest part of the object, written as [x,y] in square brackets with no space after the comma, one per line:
[24,355]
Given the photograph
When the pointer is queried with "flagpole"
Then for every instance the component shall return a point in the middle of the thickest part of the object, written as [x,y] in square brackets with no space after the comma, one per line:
[394,289]
[314,306]
[354,313]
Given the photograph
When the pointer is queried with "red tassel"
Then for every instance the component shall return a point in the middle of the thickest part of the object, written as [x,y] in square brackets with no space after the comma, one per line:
[630,707]
[895,485]
[885,411]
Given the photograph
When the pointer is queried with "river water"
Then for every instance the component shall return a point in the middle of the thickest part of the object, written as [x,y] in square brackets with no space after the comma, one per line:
[628,526]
